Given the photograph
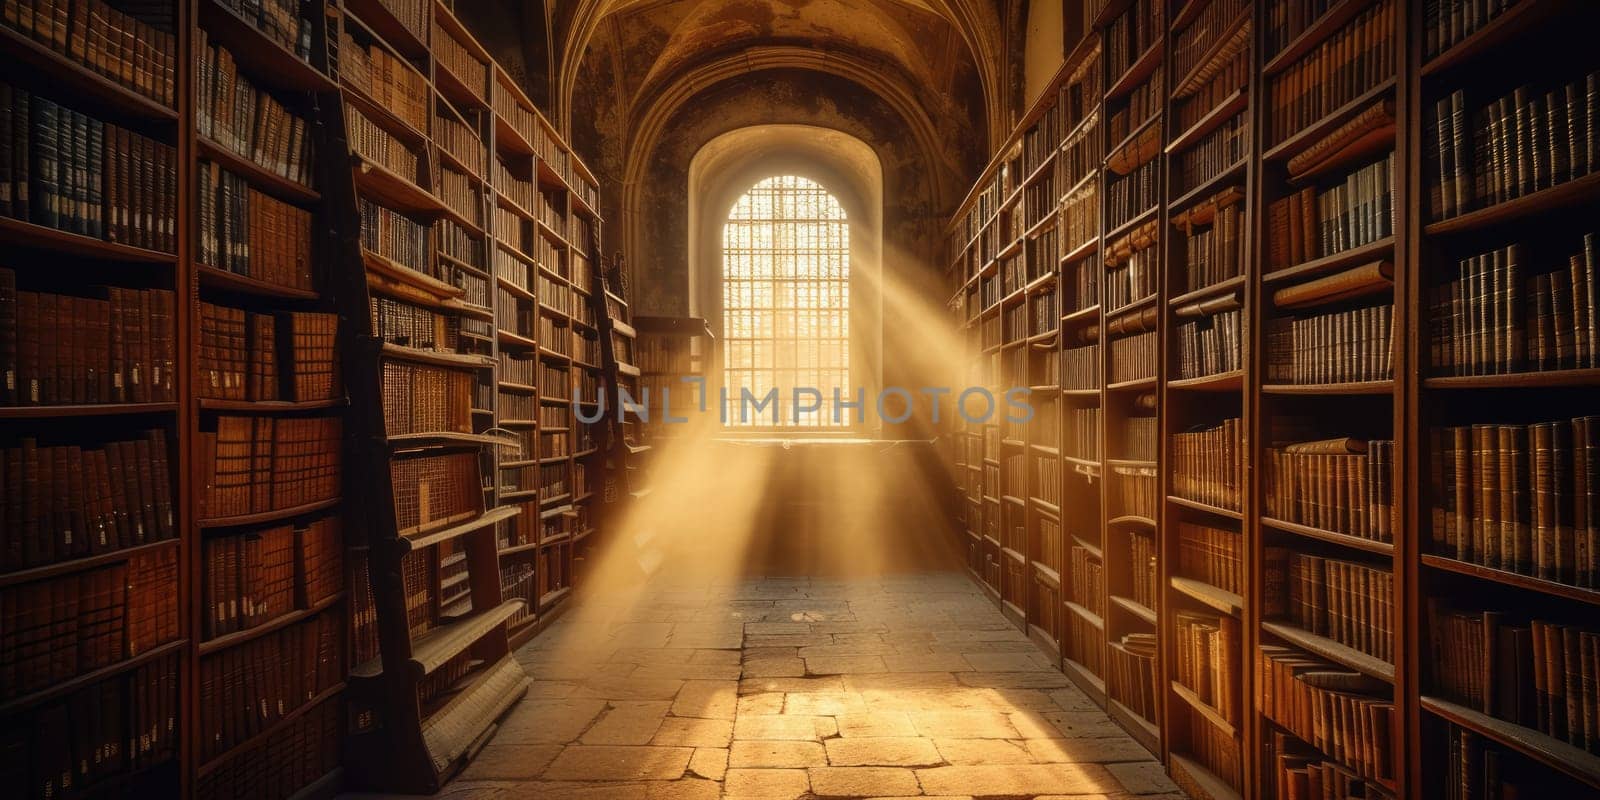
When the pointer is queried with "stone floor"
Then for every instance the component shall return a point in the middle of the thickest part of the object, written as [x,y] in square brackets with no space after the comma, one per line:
[799,688]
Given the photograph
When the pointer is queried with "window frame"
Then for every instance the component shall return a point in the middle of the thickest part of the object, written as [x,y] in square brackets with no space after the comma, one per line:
[834,213]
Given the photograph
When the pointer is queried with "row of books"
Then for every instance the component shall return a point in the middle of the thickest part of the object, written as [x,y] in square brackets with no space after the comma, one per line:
[1309,224]
[1338,347]
[461,142]
[248,579]
[467,248]
[1085,643]
[1214,254]
[1083,433]
[1133,493]
[1518,144]
[245,120]
[377,145]
[241,357]
[1206,648]
[1495,318]
[1139,438]
[1143,104]
[1081,154]
[69,501]
[288,760]
[1347,601]
[1131,674]
[1214,749]
[1205,32]
[1298,772]
[1144,569]
[433,491]
[1215,153]
[401,323]
[135,50]
[67,170]
[1343,485]
[1209,341]
[252,465]
[1445,23]
[62,627]
[1344,714]
[1132,33]
[1087,575]
[1134,357]
[389,80]
[245,689]
[1046,479]
[1344,66]
[1208,464]
[115,347]
[425,398]
[460,194]
[1127,198]
[454,57]
[73,746]
[1211,555]
[396,237]
[279,20]
[1134,278]
[1080,220]
[1519,498]
[1539,674]
[250,233]
[1206,92]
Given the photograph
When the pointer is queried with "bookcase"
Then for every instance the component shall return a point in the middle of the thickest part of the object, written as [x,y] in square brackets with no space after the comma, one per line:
[1319,517]
[254,292]
[546,242]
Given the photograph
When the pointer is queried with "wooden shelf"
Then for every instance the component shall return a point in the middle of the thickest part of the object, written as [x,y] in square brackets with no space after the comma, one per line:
[1142,67]
[1515,579]
[1134,607]
[1221,382]
[1511,23]
[279,622]
[70,78]
[1332,650]
[262,517]
[258,176]
[270,406]
[39,573]
[1206,507]
[1547,750]
[1344,539]
[394,191]
[262,58]
[377,18]
[223,280]
[267,733]
[18,233]
[1348,388]
[1572,194]
[1088,616]
[1215,787]
[1324,26]
[84,410]
[1316,131]
[1331,263]
[458,360]
[88,679]
[1574,378]
[1205,709]
[1217,599]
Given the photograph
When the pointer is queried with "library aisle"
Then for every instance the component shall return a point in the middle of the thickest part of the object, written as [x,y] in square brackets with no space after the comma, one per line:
[903,685]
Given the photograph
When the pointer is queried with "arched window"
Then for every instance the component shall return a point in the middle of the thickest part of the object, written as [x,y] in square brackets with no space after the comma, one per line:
[786,302]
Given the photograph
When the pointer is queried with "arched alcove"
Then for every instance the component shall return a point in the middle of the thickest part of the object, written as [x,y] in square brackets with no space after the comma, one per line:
[729,165]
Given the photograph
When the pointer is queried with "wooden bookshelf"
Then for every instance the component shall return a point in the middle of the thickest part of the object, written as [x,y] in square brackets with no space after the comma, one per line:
[1398,399]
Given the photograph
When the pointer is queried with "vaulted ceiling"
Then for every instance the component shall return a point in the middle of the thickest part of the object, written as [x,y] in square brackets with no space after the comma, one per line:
[947,54]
